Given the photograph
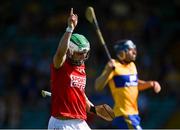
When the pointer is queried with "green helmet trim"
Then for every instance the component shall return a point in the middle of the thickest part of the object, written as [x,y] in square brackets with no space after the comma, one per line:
[81,44]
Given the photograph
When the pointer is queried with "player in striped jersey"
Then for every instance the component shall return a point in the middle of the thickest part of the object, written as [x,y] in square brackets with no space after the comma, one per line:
[121,76]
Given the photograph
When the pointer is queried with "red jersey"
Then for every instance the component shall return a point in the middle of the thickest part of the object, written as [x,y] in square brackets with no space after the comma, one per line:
[68,91]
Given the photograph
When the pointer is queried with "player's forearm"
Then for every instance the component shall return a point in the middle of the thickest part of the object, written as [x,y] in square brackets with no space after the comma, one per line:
[143,85]
[101,81]
[63,44]
[62,49]
[89,104]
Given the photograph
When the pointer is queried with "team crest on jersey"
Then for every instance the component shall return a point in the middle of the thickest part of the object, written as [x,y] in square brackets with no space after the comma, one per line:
[77,81]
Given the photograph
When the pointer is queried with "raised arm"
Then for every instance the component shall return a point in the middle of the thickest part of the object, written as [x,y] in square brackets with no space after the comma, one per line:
[60,54]
[143,85]
[103,79]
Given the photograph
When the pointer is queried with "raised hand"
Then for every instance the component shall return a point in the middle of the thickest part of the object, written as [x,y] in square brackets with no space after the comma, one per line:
[110,66]
[72,20]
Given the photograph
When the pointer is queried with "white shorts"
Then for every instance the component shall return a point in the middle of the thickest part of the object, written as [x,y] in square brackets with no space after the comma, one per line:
[72,124]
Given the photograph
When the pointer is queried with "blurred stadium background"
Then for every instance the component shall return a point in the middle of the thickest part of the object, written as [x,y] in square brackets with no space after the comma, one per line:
[29,34]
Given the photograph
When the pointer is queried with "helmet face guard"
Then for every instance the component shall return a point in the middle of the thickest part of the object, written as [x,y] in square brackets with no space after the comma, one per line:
[121,47]
[79,44]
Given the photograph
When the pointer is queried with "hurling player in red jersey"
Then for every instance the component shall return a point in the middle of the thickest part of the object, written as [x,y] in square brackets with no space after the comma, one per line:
[69,104]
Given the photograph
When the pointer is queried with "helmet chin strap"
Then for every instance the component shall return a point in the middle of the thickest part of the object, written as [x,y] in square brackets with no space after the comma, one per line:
[123,59]
[76,62]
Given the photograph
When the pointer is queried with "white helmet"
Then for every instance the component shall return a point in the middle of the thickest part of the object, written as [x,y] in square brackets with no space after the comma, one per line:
[78,43]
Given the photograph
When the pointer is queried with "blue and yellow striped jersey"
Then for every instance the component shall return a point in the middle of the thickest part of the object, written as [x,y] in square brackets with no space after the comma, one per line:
[123,83]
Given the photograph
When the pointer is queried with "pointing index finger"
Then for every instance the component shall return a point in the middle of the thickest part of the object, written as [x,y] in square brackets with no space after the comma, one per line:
[71,13]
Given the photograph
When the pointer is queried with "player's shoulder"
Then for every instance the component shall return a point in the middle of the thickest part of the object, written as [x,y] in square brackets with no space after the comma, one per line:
[132,64]
[116,62]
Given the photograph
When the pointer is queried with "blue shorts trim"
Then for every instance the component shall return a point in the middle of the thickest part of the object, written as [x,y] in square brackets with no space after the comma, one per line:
[127,122]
